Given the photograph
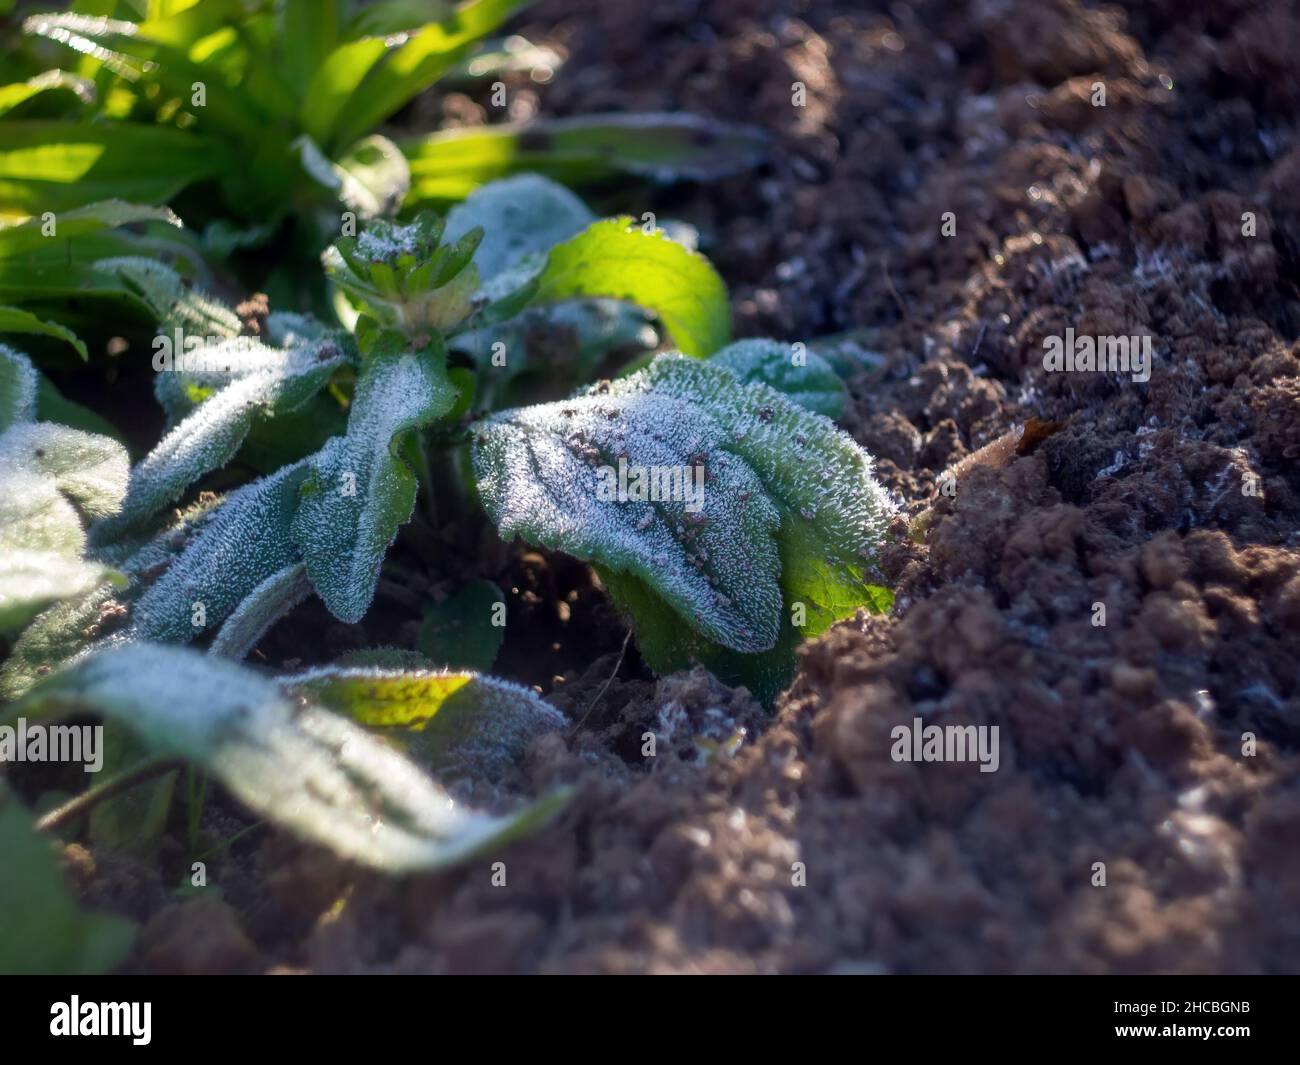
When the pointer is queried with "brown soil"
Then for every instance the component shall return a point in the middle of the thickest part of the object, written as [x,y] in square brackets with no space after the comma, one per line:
[1121,743]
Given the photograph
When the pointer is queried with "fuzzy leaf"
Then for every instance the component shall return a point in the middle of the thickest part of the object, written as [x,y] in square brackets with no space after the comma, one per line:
[45,932]
[31,579]
[53,637]
[304,768]
[360,489]
[548,474]
[66,629]
[444,719]
[175,304]
[814,385]
[791,514]
[262,608]
[18,385]
[237,546]
[90,470]
[522,218]
[212,433]
[50,476]
[618,259]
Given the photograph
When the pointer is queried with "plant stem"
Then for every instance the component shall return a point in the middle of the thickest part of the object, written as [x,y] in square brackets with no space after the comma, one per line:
[88,800]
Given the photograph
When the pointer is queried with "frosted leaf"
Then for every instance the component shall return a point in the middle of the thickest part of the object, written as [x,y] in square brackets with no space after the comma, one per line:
[66,629]
[89,469]
[287,329]
[31,579]
[360,490]
[404,276]
[230,552]
[523,216]
[547,473]
[834,514]
[445,719]
[50,476]
[261,609]
[301,767]
[823,515]
[174,304]
[813,385]
[212,433]
[196,374]
[17,388]
[571,339]
[54,636]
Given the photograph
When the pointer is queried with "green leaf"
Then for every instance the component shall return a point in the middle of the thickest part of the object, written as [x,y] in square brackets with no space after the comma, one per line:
[305,769]
[230,553]
[461,720]
[788,521]
[372,179]
[15,320]
[360,489]
[19,93]
[209,437]
[18,384]
[46,932]
[415,65]
[613,258]
[334,82]
[47,265]
[449,165]
[310,32]
[381,18]
[57,166]
[792,369]
[459,633]
[148,62]
[18,240]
